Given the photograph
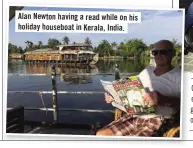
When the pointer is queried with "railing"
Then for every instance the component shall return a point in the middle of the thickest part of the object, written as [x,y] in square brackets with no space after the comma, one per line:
[54,92]
[15,120]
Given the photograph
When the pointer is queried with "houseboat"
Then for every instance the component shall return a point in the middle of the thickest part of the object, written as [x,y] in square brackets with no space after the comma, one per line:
[15,56]
[76,54]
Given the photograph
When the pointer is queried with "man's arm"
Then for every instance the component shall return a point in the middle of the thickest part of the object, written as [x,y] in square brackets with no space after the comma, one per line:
[157,99]
[173,102]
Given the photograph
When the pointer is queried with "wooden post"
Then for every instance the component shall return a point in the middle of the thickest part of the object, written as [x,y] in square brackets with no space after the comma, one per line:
[118,112]
[54,94]
[117,73]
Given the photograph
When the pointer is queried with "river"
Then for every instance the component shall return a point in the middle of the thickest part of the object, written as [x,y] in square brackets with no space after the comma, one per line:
[70,101]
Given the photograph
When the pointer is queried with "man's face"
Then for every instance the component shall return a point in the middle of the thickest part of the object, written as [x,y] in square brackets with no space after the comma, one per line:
[163,54]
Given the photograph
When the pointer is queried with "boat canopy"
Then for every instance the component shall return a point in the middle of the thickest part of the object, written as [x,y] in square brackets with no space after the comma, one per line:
[76,52]
[41,51]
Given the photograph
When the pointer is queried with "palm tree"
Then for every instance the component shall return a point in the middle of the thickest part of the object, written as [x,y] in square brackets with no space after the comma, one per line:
[28,43]
[39,44]
[114,45]
[175,43]
[151,46]
[31,44]
[66,40]
[9,48]
[87,41]
[106,47]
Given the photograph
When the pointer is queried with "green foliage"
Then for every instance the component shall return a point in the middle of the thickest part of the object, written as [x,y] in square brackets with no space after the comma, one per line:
[133,48]
[40,44]
[14,49]
[66,40]
[104,48]
[53,43]
[130,48]
[87,41]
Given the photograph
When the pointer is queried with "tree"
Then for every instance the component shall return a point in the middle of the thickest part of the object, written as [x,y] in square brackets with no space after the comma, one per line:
[29,46]
[176,44]
[104,48]
[14,49]
[20,50]
[135,47]
[114,45]
[151,46]
[66,40]
[27,42]
[9,48]
[39,44]
[53,43]
[87,41]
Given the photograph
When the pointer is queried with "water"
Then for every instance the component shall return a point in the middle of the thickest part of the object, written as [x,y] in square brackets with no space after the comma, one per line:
[70,101]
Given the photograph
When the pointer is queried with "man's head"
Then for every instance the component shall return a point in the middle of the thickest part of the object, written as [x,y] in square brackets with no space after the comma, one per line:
[164,52]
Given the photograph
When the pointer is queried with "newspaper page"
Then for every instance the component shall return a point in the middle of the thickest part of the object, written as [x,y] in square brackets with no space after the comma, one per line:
[128,95]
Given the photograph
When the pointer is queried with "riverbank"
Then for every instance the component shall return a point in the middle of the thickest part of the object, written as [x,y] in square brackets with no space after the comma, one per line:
[116,57]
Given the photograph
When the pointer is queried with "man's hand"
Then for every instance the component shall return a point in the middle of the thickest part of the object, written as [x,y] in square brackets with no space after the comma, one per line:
[108,98]
[152,98]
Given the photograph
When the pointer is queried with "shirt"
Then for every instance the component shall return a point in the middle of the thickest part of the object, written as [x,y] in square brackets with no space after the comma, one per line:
[168,84]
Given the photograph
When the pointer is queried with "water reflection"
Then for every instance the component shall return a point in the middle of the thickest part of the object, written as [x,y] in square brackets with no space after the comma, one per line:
[103,66]
[80,78]
[76,78]
[81,74]
[125,65]
[77,75]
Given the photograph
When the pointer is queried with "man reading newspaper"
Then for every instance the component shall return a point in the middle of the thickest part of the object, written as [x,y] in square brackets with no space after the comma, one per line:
[164,83]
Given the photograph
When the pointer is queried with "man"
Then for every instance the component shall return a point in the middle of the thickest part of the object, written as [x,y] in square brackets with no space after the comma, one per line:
[164,83]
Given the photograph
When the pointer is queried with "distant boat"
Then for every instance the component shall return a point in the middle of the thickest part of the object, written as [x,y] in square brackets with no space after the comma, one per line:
[124,57]
[95,59]
[64,54]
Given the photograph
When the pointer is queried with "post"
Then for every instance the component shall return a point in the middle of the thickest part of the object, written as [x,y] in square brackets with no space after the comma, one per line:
[117,73]
[54,94]
[118,113]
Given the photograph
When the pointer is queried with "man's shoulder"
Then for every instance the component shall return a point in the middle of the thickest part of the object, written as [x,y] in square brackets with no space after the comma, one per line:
[174,75]
[176,71]
[148,69]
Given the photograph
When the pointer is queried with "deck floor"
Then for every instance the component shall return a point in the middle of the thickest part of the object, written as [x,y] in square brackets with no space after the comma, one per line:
[61,131]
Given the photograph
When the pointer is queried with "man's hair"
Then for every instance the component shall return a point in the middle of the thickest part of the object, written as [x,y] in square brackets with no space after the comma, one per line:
[168,42]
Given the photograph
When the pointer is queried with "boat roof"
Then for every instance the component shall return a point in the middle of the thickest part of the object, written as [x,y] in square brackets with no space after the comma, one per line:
[15,54]
[76,44]
[51,50]
[43,51]
[76,52]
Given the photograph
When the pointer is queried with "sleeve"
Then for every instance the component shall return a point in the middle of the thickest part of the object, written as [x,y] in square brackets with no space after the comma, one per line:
[145,77]
[179,86]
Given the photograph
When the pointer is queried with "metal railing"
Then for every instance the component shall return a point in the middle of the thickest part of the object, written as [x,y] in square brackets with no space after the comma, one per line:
[55,92]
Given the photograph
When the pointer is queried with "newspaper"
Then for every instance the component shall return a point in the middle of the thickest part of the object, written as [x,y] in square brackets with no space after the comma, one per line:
[128,95]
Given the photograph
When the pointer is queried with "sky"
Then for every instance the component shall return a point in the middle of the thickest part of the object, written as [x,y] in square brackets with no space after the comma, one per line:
[155,25]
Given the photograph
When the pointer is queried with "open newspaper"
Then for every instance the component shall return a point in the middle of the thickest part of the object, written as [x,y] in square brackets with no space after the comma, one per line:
[128,95]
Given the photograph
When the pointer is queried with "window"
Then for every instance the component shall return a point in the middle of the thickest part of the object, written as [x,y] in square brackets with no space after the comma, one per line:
[56,57]
[48,57]
[41,57]
[34,57]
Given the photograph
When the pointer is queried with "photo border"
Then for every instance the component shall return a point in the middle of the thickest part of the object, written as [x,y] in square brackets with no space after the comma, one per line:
[95,137]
